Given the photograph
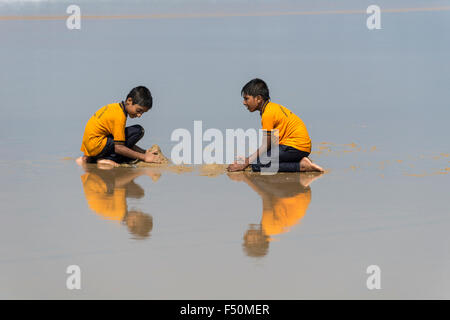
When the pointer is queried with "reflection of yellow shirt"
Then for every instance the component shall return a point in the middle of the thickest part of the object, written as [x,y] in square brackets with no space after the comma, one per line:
[283,213]
[111,206]
[110,119]
[291,129]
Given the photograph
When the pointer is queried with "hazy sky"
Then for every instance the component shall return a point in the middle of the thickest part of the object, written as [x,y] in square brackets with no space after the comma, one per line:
[332,71]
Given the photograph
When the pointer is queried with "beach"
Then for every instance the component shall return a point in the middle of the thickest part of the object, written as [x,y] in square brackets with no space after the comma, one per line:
[375,103]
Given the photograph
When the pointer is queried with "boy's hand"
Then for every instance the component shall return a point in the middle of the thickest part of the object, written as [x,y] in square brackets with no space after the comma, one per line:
[151,157]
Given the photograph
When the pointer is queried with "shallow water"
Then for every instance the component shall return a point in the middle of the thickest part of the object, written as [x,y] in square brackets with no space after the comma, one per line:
[150,233]
[375,105]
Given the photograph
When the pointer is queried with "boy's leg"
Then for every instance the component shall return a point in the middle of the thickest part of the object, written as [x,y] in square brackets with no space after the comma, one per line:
[107,158]
[293,160]
[289,160]
[132,135]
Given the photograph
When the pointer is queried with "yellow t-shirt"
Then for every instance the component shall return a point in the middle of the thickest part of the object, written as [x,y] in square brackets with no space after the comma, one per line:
[111,206]
[110,119]
[283,213]
[291,129]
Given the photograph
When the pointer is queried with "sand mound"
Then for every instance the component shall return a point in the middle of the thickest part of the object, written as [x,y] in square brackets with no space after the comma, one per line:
[160,159]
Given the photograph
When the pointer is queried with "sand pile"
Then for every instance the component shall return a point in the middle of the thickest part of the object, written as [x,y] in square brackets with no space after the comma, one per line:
[159,159]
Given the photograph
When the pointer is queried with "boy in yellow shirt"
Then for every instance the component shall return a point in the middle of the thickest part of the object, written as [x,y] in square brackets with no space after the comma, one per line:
[107,141]
[293,139]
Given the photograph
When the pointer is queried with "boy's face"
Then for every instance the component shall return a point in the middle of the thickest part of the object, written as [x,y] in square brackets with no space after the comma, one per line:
[134,110]
[252,103]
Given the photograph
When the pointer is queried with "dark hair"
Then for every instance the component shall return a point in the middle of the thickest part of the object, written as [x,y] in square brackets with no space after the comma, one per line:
[141,96]
[256,87]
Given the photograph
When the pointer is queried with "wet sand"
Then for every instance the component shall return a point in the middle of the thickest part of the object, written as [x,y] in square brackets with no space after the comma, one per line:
[320,152]
[198,232]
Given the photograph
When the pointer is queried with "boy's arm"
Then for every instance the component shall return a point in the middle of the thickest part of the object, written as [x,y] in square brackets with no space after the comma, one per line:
[269,123]
[127,152]
[117,124]
[266,144]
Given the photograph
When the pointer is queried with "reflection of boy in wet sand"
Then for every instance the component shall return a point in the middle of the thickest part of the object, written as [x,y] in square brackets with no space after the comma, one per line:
[106,192]
[285,201]
[294,144]
[107,141]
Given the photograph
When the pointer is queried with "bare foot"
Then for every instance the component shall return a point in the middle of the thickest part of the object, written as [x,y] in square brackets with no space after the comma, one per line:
[307,165]
[106,164]
[317,167]
[81,160]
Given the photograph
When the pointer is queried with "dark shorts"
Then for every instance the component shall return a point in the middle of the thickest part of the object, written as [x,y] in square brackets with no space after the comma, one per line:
[289,160]
[132,135]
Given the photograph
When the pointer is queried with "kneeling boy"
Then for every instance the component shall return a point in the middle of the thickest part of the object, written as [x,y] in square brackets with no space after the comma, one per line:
[294,141]
[107,141]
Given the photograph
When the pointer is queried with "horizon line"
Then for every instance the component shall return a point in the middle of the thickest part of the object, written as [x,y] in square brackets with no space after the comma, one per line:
[215,15]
